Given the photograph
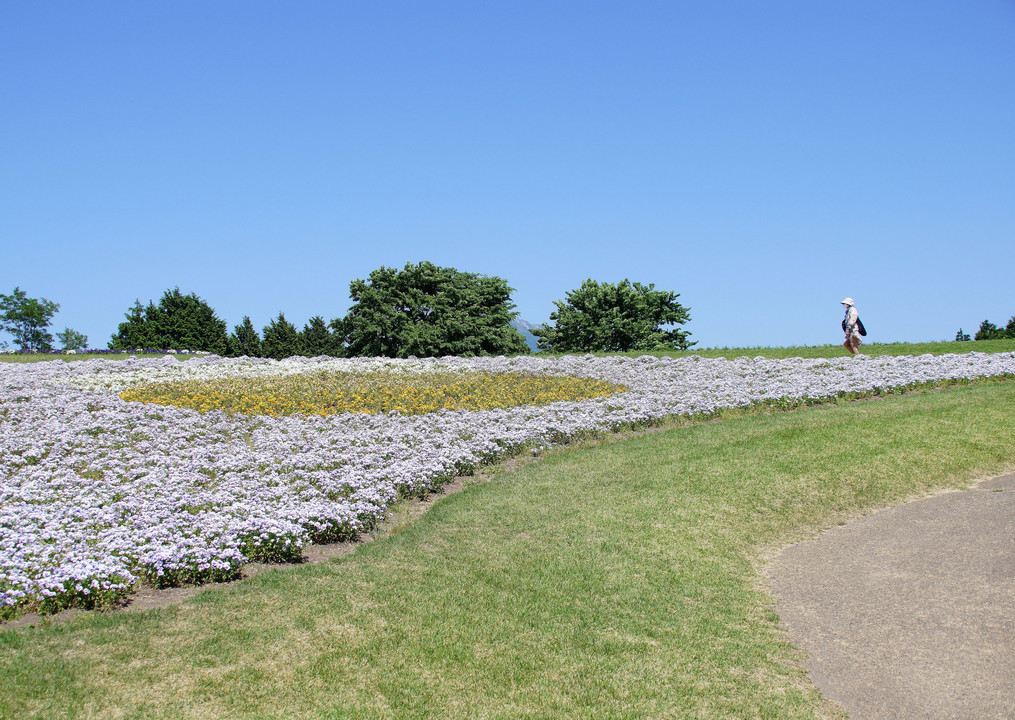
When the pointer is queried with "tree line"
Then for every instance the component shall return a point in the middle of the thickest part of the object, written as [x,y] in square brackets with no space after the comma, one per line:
[990,331]
[421,310]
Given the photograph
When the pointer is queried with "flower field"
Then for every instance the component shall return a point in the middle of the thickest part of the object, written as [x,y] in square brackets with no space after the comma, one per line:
[99,491]
[409,393]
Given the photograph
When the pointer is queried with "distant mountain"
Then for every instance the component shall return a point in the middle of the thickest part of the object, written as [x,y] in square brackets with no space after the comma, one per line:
[524,325]
[526,328]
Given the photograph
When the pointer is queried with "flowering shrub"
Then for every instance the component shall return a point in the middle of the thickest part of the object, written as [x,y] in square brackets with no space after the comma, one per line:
[97,492]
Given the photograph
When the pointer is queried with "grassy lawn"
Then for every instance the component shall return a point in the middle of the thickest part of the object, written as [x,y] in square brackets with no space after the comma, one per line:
[614,581]
[824,351]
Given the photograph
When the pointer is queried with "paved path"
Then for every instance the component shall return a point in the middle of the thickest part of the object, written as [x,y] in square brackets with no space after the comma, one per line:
[910,612]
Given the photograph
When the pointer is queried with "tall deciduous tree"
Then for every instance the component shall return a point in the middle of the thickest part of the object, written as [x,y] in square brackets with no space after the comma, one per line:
[616,317]
[72,340]
[430,311]
[178,322]
[27,319]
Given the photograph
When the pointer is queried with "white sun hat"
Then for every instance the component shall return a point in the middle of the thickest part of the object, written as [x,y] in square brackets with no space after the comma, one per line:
[847,301]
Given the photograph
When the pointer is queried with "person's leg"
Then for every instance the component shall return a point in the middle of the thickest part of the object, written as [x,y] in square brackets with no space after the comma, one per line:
[848,344]
[855,341]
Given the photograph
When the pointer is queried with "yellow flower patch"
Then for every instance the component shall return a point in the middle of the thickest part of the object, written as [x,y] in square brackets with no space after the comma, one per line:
[328,392]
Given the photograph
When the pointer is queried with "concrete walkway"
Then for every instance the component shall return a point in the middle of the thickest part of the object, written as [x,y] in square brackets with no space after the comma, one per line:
[910,612]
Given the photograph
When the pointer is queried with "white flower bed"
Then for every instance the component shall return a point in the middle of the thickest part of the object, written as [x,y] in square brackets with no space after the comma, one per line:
[97,493]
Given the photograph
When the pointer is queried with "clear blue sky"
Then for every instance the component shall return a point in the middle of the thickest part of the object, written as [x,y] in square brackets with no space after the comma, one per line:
[763,159]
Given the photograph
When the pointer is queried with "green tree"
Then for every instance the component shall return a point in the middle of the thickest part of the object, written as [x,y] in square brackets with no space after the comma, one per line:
[615,317]
[430,311]
[136,332]
[27,319]
[280,339]
[178,322]
[1009,329]
[245,340]
[317,339]
[988,331]
[72,339]
[961,336]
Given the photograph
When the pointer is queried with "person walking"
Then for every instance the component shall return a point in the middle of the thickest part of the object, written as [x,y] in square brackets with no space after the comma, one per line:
[850,325]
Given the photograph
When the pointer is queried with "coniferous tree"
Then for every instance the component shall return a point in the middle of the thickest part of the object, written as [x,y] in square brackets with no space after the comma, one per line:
[135,333]
[988,331]
[318,339]
[178,322]
[186,322]
[280,339]
[245,340]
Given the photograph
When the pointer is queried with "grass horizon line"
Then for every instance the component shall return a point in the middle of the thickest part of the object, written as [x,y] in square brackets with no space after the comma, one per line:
[873,349]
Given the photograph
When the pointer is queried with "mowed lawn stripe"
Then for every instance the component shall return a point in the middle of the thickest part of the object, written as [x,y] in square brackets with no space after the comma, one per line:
[617,581]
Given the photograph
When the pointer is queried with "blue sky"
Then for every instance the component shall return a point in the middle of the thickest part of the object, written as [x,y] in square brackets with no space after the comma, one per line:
[763,160]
